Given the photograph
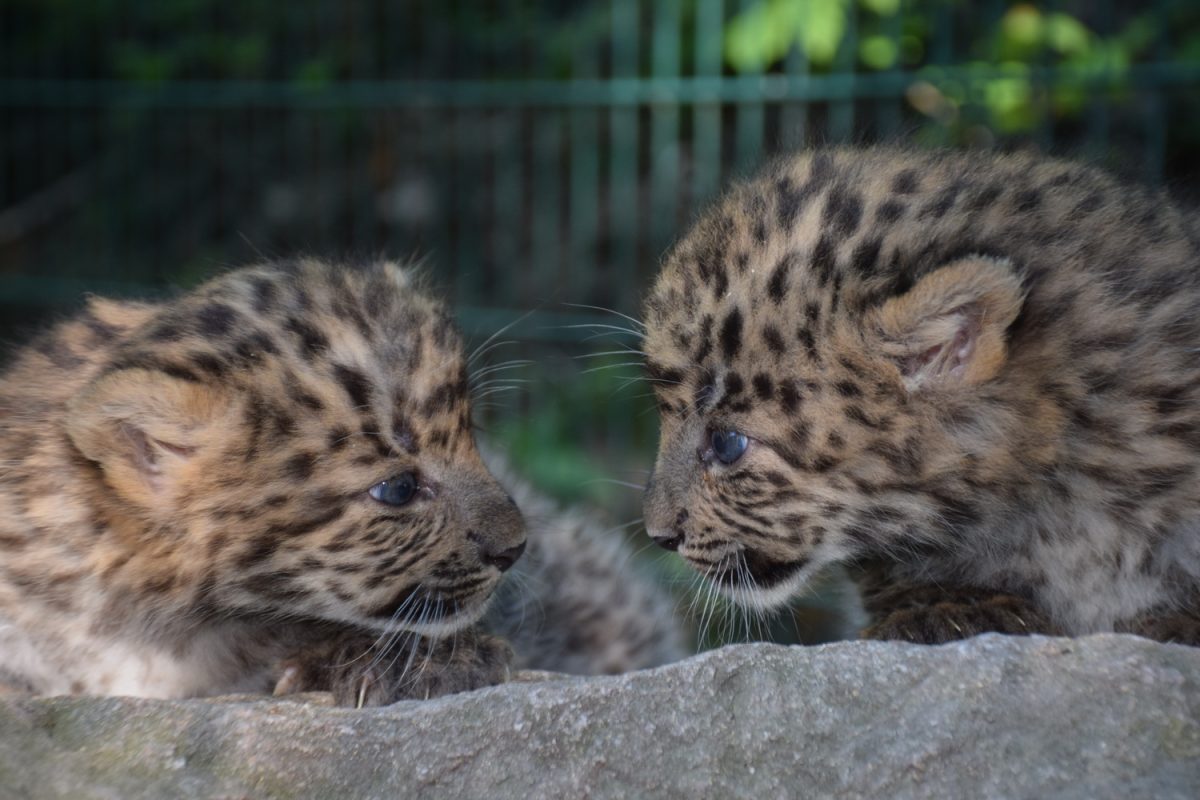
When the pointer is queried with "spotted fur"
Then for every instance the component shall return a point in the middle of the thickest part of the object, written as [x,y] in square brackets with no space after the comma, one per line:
[184,496]
[975,377]
[576,602]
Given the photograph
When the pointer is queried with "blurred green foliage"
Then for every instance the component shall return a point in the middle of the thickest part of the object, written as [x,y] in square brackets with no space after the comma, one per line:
[763,34]
[1000,63]
[997,63]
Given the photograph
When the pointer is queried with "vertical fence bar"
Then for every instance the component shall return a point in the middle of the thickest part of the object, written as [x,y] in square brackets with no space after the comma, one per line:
[941,50]
[405,235]
[158,228]
[841,112]
[579,274]
[6,114]
[293,156]
[378,169]
[793,116]
[1044,92]
[749,136]
[546,232]
[129,154]
[43,146]
[623,227]
[437,121]
[324,128]
[664,132]
[706,114]
[80,160]
[507,190]
[889,110]
[466,163]
[358,140]
[1156,118]
[585,166]
[185,241]
[1098,114]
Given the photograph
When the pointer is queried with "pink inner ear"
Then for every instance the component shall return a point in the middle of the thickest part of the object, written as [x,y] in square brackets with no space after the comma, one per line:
[947,358]
[962,347]
[912,365]
[146,452]
[141,451]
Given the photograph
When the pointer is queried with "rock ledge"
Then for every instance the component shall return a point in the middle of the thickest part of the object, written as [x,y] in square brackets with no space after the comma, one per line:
[1104,716]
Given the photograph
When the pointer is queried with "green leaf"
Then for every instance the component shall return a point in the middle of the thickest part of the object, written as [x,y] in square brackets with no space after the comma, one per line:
[1067,35]
[884,8]
[760,35]
[1023,26]
[878,52]
[824,25]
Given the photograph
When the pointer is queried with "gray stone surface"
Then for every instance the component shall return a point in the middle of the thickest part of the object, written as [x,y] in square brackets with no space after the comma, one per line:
[1106,716]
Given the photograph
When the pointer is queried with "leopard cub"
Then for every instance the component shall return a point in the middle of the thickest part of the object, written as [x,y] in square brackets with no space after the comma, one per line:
[973,378]
[271,482]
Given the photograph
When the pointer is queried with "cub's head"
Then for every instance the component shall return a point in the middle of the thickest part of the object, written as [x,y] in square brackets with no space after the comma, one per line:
[832,351]
[296,440]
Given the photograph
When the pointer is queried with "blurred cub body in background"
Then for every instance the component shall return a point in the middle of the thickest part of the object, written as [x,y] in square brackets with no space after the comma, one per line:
[975,377]
[272,478]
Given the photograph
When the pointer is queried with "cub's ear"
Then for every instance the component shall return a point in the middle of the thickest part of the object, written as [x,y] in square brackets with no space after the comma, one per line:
[949,329]
[147,431]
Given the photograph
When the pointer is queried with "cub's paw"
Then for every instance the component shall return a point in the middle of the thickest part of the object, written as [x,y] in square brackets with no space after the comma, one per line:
[360,671]
[1179,627]
[468,660]
[960,618]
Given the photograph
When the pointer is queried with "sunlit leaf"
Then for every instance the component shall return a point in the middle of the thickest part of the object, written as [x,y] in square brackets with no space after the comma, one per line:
[878,52]
[1067,35]
[760,35]
[824,25]
[1006,95]
[884,8]
[1023,26]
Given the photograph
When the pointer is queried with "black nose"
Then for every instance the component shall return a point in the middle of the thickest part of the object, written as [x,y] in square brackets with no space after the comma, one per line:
[669,542]
[504,559]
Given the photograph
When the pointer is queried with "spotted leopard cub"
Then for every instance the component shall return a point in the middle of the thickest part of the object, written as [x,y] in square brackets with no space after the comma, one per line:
[271,478]
[976,378]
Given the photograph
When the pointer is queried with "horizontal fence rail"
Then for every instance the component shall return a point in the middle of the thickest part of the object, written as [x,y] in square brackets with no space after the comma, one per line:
[677,91]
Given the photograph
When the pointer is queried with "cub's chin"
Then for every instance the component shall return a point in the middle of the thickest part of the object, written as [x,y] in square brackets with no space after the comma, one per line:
[429,613]
[451,623]
[751,579]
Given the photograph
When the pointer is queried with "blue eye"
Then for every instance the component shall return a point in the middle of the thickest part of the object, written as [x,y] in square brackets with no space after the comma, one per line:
[396,491]
[728,446]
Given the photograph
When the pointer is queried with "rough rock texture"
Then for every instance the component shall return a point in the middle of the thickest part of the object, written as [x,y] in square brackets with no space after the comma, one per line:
[1107,716]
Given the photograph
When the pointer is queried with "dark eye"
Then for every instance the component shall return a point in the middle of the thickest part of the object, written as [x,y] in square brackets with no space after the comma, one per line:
[728,446]
[396,491]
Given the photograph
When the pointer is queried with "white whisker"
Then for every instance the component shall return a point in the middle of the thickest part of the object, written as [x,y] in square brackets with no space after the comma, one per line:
[636,322]
[476,354]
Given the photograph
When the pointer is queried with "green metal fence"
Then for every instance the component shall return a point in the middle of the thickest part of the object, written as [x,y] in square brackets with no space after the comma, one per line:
[533,155]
